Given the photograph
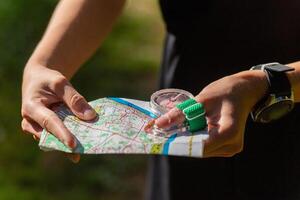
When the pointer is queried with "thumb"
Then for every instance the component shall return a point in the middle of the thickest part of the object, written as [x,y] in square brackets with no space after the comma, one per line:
[174,116]
[77,103]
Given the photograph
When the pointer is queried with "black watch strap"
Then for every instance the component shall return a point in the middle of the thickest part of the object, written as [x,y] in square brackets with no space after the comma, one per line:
[279,84]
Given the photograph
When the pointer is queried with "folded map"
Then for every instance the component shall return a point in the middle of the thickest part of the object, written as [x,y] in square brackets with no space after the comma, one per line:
[119,129]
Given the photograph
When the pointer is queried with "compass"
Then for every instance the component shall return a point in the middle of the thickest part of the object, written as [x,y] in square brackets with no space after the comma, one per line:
[164,100]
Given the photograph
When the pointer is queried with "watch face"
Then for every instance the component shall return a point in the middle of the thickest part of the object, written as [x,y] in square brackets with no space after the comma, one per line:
[276,111]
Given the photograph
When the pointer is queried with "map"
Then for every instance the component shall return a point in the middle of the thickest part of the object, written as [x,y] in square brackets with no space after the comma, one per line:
[119,129]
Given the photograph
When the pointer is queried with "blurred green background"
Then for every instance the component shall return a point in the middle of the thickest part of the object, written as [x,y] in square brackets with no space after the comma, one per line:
[126,66]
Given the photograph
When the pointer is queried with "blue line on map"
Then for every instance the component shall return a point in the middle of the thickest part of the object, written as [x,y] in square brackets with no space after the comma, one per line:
[167,144]
[124,102]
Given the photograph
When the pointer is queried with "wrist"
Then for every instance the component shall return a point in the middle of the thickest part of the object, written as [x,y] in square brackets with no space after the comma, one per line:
[256,84]
[294,78]
[33,66]
[279,100]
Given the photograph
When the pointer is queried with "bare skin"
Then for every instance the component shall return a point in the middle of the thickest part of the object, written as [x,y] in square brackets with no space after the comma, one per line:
[228,102]
[76,30]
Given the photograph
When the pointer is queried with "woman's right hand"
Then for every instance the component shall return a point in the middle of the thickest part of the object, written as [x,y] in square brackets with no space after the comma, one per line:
[41,89]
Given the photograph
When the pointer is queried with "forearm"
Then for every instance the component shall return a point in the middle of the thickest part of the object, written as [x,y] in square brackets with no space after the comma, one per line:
[294,77]
[257,79]
[76,30]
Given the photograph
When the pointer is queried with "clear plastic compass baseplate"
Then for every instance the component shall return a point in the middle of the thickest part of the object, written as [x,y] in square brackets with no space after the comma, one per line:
[164,100]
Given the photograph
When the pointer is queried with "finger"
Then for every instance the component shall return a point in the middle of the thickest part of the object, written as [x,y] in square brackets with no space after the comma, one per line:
[51,122]
[149,126]
[35,138]
[220,134]
[174,116]
[225,151]
[75,158]
[77,103]
[216,155]
[32,127]
[213,141]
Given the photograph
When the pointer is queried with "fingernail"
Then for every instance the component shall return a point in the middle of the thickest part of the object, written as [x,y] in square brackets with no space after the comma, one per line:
[35,138]
[149,126]
[89,113]
[84,109]
[74,158]
[72,144]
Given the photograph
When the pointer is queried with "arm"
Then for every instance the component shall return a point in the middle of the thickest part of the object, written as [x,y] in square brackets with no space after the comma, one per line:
[294,78]
[75,31]
[228,102]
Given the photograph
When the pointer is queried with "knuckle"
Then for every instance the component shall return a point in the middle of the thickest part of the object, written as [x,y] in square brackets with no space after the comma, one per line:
[23,112]
[24,126]
[47,120]
[76,99]
[26,109]
[167,119]
[59,82]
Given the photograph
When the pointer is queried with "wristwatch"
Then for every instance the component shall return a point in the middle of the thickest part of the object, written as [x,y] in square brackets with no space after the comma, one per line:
[279,99]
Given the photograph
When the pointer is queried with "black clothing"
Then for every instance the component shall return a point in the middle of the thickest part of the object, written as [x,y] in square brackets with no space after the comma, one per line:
[208,40]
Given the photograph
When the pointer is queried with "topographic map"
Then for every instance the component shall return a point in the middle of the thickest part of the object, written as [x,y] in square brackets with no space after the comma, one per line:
[119,129]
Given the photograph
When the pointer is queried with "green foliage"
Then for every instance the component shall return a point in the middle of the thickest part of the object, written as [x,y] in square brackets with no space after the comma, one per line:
[125,66]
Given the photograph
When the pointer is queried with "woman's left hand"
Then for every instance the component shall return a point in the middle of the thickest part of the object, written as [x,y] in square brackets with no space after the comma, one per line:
[227,102]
